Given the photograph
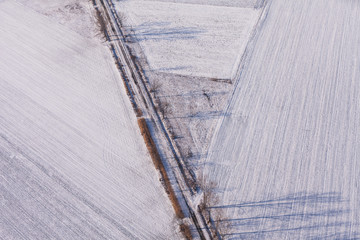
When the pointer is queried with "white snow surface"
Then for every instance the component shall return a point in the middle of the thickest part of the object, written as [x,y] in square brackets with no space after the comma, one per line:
[72,161]
[227,3]
[190,39]
[75,14]
[286,156]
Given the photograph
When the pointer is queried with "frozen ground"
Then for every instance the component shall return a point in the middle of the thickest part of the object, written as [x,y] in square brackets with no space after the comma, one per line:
[286,154]
[75,14]
[190,39]
[181,45]
[226,3]
[73,163]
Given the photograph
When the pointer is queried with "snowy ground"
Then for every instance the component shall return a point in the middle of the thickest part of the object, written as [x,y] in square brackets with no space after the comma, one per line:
[225,3]
[74,14]
[190,39]
[286,154]
[182,48]
[73,163]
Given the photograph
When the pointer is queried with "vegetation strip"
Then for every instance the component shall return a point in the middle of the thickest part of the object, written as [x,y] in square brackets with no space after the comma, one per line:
[131,63]
[155,156]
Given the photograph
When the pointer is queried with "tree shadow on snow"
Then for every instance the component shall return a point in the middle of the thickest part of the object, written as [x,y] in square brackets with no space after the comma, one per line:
[296,216]
[163,31]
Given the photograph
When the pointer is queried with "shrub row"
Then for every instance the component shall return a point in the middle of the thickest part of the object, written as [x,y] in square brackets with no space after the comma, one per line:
[155,156]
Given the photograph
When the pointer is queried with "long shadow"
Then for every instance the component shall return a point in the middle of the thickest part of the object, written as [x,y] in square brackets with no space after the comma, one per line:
[195,94]
[288,217]
[171,69]
[336,235]
[202,115]
[295,216]
[163,31]
[290,200]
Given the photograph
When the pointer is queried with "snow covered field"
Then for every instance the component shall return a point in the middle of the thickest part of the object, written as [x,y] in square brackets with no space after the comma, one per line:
[74,14]
[225,3]
[190,39]
[286,155]
[190,51]
[73,164]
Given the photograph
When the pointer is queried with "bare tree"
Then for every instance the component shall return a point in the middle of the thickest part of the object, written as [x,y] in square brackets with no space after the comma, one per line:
[209,197]
[122,17]
[155,86]
[214,216]
[100,22]
[164,108]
